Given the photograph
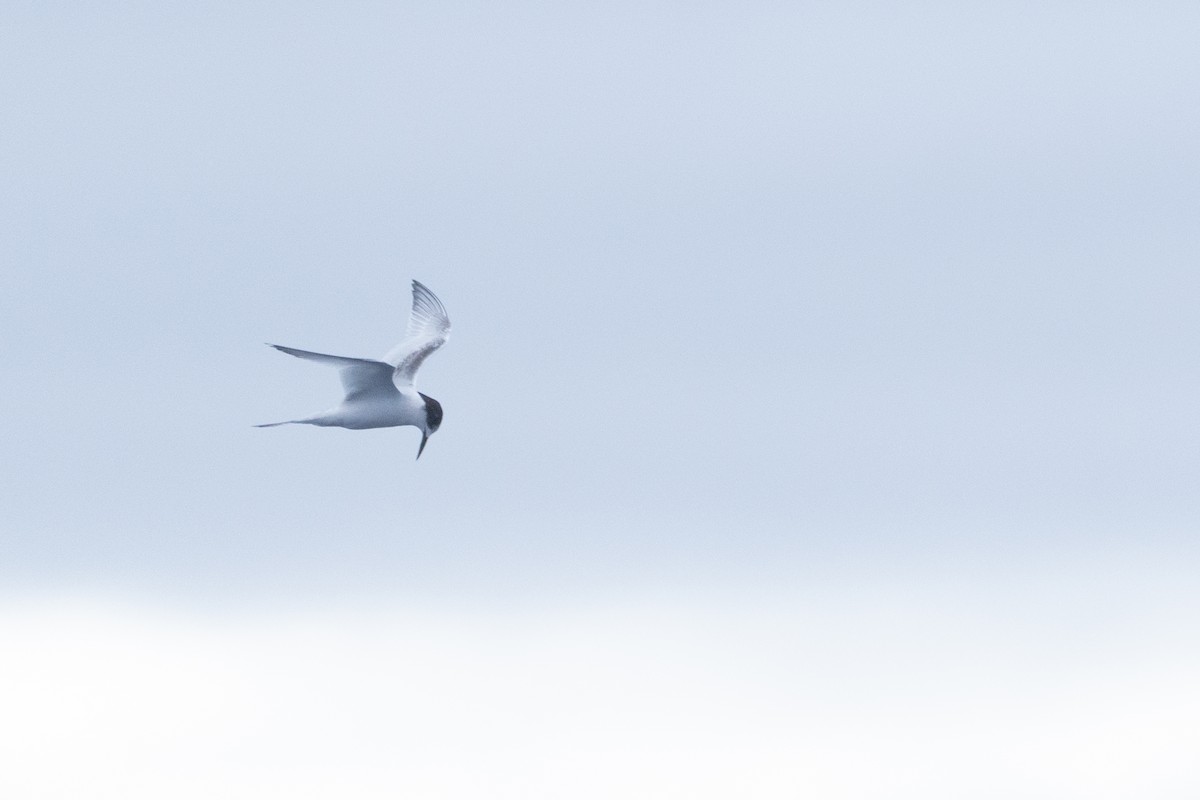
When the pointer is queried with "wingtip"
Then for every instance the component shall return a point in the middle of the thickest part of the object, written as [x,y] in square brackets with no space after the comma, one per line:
[425,301]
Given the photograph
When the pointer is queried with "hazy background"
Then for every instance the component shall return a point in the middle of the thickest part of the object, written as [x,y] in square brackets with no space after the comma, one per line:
[820,407]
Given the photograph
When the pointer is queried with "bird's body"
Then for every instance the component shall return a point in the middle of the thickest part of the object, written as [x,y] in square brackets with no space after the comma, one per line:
[359,415]
[403,408]
[381,394]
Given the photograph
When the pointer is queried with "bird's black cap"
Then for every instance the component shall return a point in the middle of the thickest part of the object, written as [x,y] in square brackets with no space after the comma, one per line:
[433,411]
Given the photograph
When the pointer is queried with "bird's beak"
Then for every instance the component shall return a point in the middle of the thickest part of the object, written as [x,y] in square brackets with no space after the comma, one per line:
[424,439]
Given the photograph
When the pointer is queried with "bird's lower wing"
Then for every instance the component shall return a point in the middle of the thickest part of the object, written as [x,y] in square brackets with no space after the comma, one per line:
[360,376]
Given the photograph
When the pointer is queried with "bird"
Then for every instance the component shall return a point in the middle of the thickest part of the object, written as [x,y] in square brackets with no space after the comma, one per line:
[381,393]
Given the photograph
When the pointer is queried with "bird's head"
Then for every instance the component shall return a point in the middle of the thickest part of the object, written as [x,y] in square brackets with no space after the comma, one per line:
[433,420]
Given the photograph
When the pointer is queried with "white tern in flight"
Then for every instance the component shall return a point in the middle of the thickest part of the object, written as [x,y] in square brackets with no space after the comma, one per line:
[381,394]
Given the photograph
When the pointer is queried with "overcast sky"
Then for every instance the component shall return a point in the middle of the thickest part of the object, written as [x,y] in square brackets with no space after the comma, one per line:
[808,307]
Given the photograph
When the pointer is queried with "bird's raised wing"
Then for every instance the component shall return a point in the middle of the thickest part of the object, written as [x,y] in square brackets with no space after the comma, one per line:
[361,377]
[428,329]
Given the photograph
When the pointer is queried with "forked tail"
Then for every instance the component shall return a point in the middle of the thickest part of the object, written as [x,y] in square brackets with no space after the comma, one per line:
[306,421]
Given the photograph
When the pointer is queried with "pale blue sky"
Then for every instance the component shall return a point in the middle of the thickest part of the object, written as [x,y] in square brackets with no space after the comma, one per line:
[837,315]
[733,286]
